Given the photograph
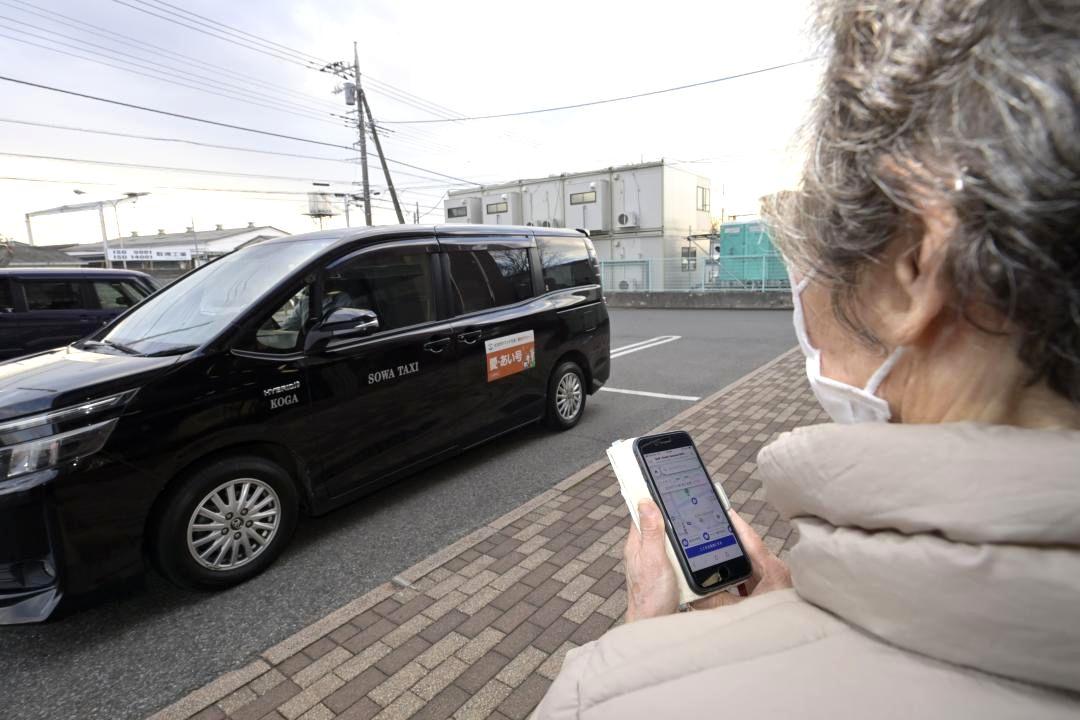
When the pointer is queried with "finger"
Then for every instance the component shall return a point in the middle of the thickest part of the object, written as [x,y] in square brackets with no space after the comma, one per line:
[751,541]
[633,541]
[651,522]
[720,599]
[755,549]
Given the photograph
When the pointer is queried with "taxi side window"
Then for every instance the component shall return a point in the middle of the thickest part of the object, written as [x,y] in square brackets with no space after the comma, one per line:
[566,262]
[396,286]
[283,331]
[483,279]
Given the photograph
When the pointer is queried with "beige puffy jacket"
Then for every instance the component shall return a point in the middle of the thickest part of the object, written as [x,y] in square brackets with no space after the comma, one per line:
[937,575]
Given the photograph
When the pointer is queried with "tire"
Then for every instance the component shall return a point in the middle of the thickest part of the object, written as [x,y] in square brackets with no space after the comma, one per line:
[232,557]
[565,396]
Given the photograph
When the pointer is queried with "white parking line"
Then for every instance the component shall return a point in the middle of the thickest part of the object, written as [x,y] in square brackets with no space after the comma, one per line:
[664,396]
[644,345]
[634,345]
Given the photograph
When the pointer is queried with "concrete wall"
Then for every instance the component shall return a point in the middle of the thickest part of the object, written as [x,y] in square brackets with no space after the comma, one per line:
[710,300]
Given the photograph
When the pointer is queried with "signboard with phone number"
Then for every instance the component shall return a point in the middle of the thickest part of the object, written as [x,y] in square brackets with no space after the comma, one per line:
[510,354]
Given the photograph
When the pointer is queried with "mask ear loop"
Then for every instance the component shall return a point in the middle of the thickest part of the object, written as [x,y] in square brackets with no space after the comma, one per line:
[886,367]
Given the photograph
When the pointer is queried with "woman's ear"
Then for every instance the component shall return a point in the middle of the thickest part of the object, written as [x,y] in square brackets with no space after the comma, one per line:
[911,291]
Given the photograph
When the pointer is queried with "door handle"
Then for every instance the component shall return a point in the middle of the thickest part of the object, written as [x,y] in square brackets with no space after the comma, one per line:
[436,346]
[470,337]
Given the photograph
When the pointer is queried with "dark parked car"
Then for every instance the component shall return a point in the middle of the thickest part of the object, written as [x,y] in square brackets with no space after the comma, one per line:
[43,308]
[293,375]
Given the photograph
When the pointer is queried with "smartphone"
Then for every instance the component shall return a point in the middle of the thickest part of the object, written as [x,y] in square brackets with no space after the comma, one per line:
[705,543]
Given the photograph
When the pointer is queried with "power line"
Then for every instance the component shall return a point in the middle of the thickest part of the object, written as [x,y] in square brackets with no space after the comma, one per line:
[434,207]
[185,188]
[168,168]
[575,106]
[186,141]
[69,21]
[154,77]
[235,30]
[218,123]
[247,44]
[256,43]
[250,41]
[175,76]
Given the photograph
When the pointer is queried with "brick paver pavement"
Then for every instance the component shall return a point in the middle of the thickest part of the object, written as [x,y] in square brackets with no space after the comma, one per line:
[480,629]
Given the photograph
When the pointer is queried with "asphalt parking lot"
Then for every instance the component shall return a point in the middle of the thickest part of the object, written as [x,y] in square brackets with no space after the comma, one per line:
[130,655]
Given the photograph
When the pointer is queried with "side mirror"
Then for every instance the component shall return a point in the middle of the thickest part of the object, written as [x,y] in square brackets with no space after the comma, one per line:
[350,322]
[342,323]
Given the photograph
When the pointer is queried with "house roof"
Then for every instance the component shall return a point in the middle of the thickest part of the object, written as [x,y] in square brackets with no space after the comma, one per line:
[23,255]
[186,238]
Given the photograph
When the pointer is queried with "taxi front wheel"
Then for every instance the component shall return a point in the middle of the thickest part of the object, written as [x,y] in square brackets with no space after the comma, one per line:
[566,396]
[225,523]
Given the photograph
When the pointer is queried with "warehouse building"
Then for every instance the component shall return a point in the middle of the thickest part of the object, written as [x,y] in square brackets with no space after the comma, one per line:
[650,222]
[168,255]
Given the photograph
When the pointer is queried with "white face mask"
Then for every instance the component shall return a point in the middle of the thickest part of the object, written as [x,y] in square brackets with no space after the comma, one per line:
[844,403]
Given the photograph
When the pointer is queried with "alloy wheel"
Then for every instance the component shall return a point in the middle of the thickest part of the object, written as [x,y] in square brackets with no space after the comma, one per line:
[568,396]
[233,524]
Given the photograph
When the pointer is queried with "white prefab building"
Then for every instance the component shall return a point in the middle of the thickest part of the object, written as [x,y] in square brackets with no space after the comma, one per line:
[643,218]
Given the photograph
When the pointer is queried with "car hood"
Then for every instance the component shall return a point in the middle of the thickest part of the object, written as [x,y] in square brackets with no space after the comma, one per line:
[67,376]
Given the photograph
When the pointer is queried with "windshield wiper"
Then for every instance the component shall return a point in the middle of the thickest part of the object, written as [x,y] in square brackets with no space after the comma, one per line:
[178,350]
[119,346]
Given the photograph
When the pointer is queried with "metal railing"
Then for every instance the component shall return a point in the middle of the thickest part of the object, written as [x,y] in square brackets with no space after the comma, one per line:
[729,273]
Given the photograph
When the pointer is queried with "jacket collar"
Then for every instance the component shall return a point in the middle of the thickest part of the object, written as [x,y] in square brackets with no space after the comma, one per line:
[957,541]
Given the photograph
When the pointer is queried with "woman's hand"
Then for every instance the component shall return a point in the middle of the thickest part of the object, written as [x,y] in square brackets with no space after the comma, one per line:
[652,588]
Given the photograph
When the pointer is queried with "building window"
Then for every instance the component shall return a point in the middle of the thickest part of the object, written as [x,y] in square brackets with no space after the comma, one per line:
[458,212]
[499,207]
[704,199]
[583,198]
[689,259]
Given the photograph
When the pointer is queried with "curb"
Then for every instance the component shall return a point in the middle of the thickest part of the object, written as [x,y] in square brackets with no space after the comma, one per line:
[205,696]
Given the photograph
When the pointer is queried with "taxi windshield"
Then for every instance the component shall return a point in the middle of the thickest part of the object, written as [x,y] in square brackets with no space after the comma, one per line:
[197,307]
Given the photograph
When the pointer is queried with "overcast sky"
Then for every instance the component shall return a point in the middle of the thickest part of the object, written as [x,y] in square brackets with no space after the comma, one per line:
[473,58]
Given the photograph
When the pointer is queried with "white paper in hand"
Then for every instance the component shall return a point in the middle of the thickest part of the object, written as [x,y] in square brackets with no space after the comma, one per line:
[634,490]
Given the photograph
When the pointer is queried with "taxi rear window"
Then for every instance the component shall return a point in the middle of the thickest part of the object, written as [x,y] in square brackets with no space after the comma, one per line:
[483,279]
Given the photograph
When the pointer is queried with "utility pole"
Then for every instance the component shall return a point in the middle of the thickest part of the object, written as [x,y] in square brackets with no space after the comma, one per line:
[104,234]
[382,158]
[416,214]
[354,95]
[363,137]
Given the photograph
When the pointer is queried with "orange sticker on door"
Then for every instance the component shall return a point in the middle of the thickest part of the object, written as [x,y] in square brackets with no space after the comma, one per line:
[510,354]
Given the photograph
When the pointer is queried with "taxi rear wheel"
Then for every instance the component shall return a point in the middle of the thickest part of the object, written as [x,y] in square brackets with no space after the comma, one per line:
[566,396]
[225,523]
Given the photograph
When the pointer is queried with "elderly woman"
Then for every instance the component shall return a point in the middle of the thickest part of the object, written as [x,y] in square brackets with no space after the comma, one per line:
[935,251]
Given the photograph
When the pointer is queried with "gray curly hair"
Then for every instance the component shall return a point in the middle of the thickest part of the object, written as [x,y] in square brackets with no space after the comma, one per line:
[983,98]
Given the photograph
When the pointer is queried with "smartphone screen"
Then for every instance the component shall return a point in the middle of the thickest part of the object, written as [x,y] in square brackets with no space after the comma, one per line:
[695,517]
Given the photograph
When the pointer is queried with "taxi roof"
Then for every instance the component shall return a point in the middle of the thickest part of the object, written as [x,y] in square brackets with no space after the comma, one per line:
[384,232]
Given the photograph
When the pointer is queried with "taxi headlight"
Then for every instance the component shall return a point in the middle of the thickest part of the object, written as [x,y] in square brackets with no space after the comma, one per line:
[54,450]
[57,437]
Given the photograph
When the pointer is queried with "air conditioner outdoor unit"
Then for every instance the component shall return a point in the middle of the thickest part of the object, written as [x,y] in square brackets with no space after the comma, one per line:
[627,220]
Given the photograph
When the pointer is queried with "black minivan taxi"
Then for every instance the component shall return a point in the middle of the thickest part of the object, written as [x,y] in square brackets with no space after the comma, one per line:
[290,376]
[44,308]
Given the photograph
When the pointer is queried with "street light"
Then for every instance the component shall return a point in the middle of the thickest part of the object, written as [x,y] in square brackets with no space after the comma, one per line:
[98,205]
